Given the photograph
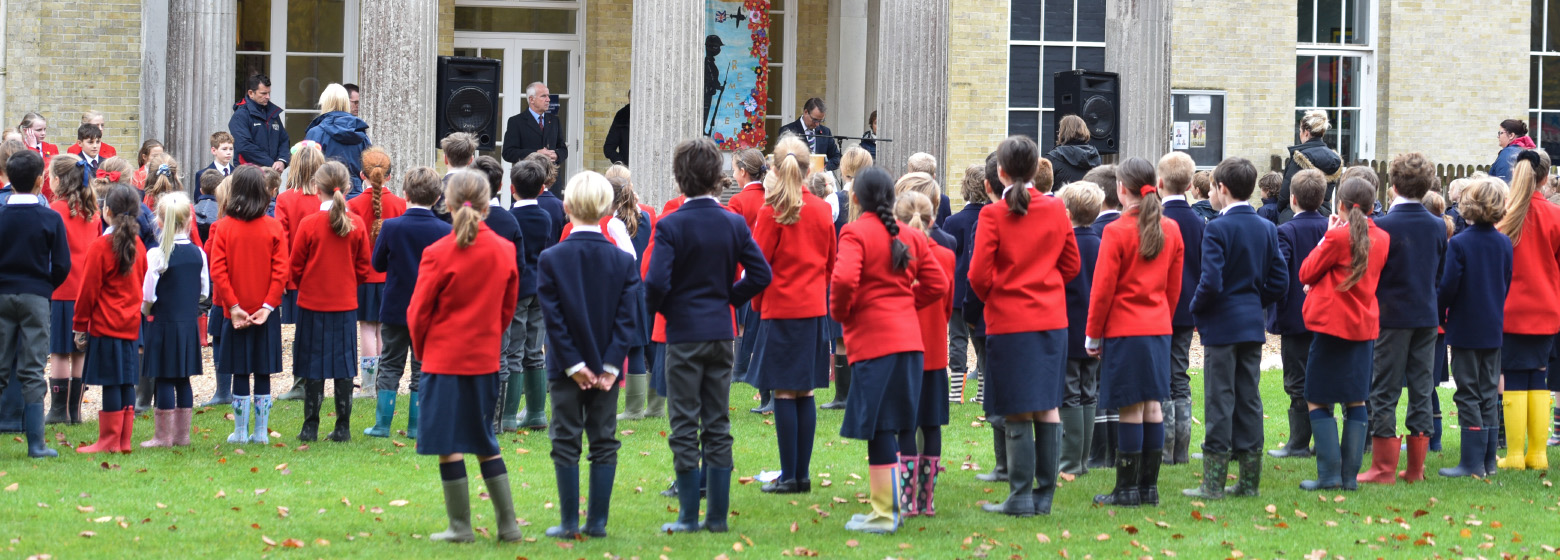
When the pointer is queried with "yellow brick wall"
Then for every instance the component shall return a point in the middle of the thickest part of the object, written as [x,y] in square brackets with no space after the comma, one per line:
[608,67]
[40,32]
[1250,58]
[977,98]
[446,27]
[812,55]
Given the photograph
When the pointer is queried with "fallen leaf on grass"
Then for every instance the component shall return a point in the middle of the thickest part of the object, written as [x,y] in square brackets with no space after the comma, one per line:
[852,543]
[399,503]
[292,543]
[745,480]
[793,527]
[1102,537]
[1042,538]
[86,509]
[87,534]
[267,540]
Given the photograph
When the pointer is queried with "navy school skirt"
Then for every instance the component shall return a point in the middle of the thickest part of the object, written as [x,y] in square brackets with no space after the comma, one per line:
[655,356]
[1524,352]
[325,346]
[932,409]
[370,300]
[1339,371]
[1133,369]
[289,307]
[172,349]
[1026,372]
[111,361]
[790,355]
[747,345]
[1553,381]
[883,395]
[62,336]
[457,414]
[253,350]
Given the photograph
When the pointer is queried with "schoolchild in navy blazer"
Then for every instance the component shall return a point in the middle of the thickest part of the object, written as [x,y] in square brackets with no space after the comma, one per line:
[695,299]
[527,372]
[1175,171]
[398,253]
[1296,238]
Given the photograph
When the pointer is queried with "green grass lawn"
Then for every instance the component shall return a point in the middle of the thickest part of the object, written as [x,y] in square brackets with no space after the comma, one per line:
[378,498]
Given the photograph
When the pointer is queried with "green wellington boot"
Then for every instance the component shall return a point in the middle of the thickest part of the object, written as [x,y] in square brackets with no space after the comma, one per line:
[535,400]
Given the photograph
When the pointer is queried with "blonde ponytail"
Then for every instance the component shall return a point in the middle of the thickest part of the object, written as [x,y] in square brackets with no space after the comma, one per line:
[330,180]
[466,196]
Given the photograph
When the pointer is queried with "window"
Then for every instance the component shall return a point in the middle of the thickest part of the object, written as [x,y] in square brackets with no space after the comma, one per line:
[782,73]
[1334,71]
[303,45]
[1046,37]
[1544,88]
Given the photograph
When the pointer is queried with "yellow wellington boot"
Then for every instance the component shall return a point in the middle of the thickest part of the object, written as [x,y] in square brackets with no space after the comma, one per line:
[1538,430]
[884,517]
[1516,408]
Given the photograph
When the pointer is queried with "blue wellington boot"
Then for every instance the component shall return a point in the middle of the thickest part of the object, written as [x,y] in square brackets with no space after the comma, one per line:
[568,477]
[411,418]
[384,413]
[601,478]
[688,504]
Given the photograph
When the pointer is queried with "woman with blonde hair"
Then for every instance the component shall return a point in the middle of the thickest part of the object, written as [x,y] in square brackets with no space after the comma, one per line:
[1311,153]
[341,135]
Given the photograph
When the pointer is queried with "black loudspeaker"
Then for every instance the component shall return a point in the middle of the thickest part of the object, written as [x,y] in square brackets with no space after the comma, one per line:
[1094,96]
[468,98]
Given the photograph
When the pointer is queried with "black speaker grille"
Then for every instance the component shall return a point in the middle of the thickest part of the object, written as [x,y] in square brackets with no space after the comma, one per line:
[469,109]
[1101,114]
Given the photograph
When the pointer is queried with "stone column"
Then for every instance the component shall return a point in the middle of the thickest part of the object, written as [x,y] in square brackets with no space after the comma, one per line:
[668,85]
[848,67]
[199,79]
[398,73]
[1137,39]
[912,82]
[154,71]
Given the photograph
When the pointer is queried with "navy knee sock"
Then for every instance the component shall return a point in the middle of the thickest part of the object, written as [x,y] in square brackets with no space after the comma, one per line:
[1153,435]
[112,399]
[490,468]
[262,384]
[806,426]
[241,384]
[883,449]
[1322,413]
[1355,414]
[785,432]
[452,471]
[166,393]
[907,446]
[184,397]
[931,441]
[1130,437]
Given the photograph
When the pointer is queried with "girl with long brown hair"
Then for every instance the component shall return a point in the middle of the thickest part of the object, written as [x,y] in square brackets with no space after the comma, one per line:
[374,206]
[108,319]
[77,206]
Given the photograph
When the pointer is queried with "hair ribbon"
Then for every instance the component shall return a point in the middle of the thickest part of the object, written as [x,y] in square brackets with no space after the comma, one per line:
[112,176]
[1146,189]
[467,204]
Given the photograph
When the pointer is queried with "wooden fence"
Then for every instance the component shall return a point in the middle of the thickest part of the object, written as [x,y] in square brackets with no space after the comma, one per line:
[1445,172]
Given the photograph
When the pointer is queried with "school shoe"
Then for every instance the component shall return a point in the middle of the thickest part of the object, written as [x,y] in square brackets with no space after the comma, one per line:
[1491,454]
[1298,446]
[504,507]
[688,504]
[162,430]
[1216,466]
[110,423]
[1418,445]
[224,393]
[145,389]
[262,431]
[1183,431]
[1250,475]
[412,411]
[884,517]
[1470,455]
[841,384]
[457,507]
[32,422]
[369,366]
[1329,455]
[637,385]
[181,426]
[792,486]
[313,397]
[343,430]
[1021,460]
[568,477]
[73,405]
[126,431]
[535,400]
[999,470]
[909,469]
[59,392]
[1148,477]
[1073,420]
[1352,454]
[602,476]
[1384,454]
[1048,439]
[1125,494]
[930,467]
[296,392]
[513,392]
[1516,411]
[384,413]
[241,407]
[717,488]
[1537,448]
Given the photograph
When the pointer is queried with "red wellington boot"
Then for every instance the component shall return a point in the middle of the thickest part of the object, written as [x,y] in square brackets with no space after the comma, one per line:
[1383,461]
[126,430]
[1417,446]
[109,426]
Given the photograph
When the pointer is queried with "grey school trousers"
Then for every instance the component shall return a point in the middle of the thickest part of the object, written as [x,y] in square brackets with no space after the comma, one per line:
[392,360]
[698,400]
[1232,402]
[1404,357]
[592,413]
[24,343]
[523,341]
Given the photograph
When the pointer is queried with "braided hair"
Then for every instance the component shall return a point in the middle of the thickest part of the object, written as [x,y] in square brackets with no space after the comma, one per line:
[874,189]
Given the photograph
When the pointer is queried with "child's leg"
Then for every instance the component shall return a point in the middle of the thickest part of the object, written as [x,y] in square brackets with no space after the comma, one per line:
[601,431]
[162,427]
[59,389]
[715,438]
[1296,350]
[806,427]
[785,436]
[1219,395]
[1073,419]
[685,377]
[883,482]
[457,500]
[166,393]
[568,423]
[495,476]
[958,356]
[1248,434]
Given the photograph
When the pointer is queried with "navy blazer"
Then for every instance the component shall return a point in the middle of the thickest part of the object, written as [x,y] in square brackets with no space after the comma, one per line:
[506,226]
[398,252]
[589,293]
[945,239]
[1102,221]
[1269,210]
[974,308]
[1296,238]
[1472,290]
[1242,272]
[692,279]
[1078,290]
[1192,227]
[959,226]
[554,207]
[1406,292]
[944,211]
[535,224]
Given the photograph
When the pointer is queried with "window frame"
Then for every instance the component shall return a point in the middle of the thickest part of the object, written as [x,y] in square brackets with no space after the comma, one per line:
[788,12]
[1535,110]
[1366,101]
[278,53]
[1041,112]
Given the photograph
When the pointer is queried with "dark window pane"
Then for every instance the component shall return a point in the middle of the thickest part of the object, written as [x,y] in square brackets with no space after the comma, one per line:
[777,39]
[1329,21]
[1024,76]
[254,25]
[1550,88]
[1307,21]
[1327,77]
[514,20]
[315,26]
[1553,31]
[307,76]
[298,124]
[1348,136]
[1091,58]
[1548,132]
[1534,83]
[1091,20]
[249,65]
[1026,20]
[1057,59]
[771,133]
[1047,139]
[558,72]
[1305,81]
[1351,81]
[1356,22]
[1059,20]
[1024,122]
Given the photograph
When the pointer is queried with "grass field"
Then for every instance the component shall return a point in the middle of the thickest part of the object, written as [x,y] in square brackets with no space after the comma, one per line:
[377,498]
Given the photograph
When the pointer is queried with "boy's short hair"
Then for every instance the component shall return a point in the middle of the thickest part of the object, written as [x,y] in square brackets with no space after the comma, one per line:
[588,196]
[422,186]
[1484,201]
[209,179]
[1175,171]
[1083,200]
[922,162]
[221,137]
[494,171]
[1202,183]
[698,167]
[549,168]
[273,181]
[1238,175]
[9,147]
[1413,175]
[459,148]
[1104,176]
[87,131]
[1361,172]
[973,188]
[1044,178]
[23,169]
[526,177]
[1271,184]
[1308,187]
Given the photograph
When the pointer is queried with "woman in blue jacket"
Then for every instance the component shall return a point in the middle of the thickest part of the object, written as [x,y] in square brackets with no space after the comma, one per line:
[1513,138]
[340,134]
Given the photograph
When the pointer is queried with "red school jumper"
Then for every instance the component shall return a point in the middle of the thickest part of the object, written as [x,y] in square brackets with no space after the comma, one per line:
[390,206]
[1533,303]
[875,304]
[1020,265]
[109,304]
[934,317]
[80,232]
[1131,295]
[456,328]
[1351,314]
[801,259]
[248,263]
[326,267]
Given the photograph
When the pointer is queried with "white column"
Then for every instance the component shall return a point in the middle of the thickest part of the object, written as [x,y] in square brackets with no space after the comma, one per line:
[912,82]
[199,79]
[1137,47]
[668,85]
[398,70]
[154,71]
[848,76]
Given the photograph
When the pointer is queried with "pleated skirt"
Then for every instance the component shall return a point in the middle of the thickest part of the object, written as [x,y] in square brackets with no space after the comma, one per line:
[933,407]
[1338,370]
[289,307]
[253,350]
[883,395]
[370,299]
[1525,352]
[1134,369]
[326,345]
[790,355]
[1025,372]
[172,349]
[111,361]
[62,336]
[457,414]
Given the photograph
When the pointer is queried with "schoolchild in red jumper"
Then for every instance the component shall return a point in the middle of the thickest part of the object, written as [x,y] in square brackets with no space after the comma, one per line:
[108,319]
[34,261]
[34,129]
[374,209]
[919,465]
[294,204]
[464,301]
[1472,293]
[177,279]
[882,274]
[1532,311]
[329,260]
[795,230]
[1343,274]
[248,275]
[78,207]
[749,169]
[1024,255]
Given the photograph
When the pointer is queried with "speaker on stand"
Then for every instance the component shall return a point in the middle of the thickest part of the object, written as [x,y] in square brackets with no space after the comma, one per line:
[1095,97]
[468,98]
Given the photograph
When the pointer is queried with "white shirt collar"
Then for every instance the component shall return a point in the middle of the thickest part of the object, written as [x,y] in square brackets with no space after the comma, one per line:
[495,203]
[1104,213]
[525,202]
[325,205]
[1227,207]
[1399,200]
[705,197]
[182,239]
[1010,187]
[453,169]
[590,228]
[20,198]
[410,205]
[108,230]
[1170,197]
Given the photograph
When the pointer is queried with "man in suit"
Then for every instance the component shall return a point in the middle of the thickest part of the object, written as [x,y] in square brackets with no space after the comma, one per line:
[616,147]
[535,131]
[820,140]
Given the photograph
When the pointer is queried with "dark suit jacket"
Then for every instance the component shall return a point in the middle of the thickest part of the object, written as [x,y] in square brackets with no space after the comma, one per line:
[825,138]
[522,137]
[1406,291]
[692,277]
[1192,227]
[1296,238]
[616,147]
[1242,273]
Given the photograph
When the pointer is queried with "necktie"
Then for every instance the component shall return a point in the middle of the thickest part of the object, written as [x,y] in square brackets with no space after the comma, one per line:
[541,122]
[812,140]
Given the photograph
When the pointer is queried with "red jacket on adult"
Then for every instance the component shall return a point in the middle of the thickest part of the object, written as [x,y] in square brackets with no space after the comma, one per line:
[80,232]
[876,304]
[326,267]
[1020,265]
[109,304]
[390,206]
[463,303]
[801,258]
[47,151]
[747,202]
[934,318]
[1131,295]
[1351,314]
[1533,303]
[248,263]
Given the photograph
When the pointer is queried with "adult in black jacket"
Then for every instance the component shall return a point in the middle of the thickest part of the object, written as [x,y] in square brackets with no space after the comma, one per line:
[259,136]
[533,131]
[1073,156]
[616,148]
[819,139]
[1311,153]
